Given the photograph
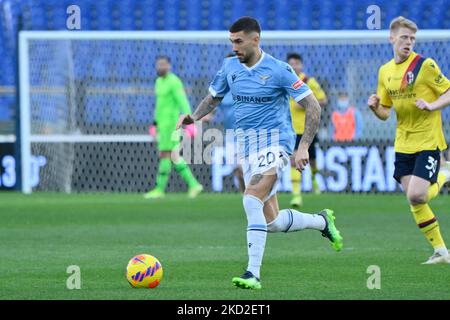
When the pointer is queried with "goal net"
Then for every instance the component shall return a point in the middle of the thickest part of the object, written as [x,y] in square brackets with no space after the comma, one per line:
[87,101]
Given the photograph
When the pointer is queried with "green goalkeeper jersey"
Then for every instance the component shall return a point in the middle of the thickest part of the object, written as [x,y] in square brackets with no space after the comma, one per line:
[171,99]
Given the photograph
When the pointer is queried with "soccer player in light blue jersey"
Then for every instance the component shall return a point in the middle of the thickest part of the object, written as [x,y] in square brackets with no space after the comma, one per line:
[260,86]
[228,120]
[227,106]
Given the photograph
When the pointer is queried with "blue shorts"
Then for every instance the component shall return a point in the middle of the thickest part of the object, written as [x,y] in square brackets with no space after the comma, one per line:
[423,164]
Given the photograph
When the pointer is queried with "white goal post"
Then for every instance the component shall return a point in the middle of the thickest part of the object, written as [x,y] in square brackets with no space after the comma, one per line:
[49,64]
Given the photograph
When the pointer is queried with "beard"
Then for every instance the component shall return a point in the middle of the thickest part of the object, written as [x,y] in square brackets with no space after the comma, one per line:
[161,73]
[243,59]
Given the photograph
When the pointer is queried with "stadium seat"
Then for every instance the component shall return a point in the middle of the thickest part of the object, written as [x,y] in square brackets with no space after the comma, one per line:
[193,17]
[345,15]
[447,18]
[237,9]
[171,11]
[144,109]
[35,15]
[6,113]
[215,21]
[282,15]
[416,12]
[148,14]
[327,11]
[94,110]
[304,18]
[260,12]
[117,109]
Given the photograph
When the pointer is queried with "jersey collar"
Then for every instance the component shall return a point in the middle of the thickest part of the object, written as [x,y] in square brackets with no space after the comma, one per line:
[410,57]
[263,54]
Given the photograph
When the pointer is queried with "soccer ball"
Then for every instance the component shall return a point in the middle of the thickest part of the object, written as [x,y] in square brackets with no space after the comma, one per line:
[144,271]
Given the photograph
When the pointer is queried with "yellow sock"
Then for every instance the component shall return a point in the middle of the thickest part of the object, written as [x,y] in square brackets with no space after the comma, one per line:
[434,189]
[296,179]
[428,224]
[313,174]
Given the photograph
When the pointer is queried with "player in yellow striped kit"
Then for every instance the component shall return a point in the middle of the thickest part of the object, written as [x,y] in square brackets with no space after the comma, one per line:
[298,123]
[417,89]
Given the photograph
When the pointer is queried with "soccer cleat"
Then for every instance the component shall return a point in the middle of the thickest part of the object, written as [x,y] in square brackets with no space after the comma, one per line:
[438,258]
[247,281]
[297,201]
[316,188]
[195,191]
[154,194]
[330,230]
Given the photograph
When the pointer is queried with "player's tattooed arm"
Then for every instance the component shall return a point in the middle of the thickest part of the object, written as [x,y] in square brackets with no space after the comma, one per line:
[208,104]
[312,120]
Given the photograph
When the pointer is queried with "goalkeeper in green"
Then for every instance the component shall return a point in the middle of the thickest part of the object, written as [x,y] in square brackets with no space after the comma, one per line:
[171,100]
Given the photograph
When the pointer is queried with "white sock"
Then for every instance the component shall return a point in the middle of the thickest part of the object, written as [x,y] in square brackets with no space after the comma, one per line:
[289,220]
[442,251]
[256,233]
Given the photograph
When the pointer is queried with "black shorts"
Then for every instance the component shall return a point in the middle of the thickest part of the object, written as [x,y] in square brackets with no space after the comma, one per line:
[312,147]
[424,164]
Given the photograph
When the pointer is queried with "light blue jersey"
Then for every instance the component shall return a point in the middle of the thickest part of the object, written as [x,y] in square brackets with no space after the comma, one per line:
[228,111]
[261,100]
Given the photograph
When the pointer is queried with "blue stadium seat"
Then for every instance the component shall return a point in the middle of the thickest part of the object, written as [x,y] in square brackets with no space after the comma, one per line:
[148,16]
[259,11]
[56,15]
[327,11]
[8,70]
[237,7]
[282,15]
[447,18]
[438,14]
[193,14]
[346,14]
[304,19]
[117,109]
[415,12]
[94,110]
[6,110]
[171,17]
[396,10]
[144,110]
[216,17]
[34,15]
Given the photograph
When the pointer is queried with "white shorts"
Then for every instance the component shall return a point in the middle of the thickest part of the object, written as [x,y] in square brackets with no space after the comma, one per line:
[263,161]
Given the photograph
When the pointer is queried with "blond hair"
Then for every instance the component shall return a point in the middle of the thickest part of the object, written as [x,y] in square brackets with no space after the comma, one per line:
[402,22]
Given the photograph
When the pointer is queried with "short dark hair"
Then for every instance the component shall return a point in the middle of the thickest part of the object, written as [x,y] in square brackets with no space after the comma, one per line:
[246,24]
[163,57]
[294,55]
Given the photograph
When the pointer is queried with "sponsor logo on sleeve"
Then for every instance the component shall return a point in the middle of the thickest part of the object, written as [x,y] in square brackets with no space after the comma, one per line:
[297,84]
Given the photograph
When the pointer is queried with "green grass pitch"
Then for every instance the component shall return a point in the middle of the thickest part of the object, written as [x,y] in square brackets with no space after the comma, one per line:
[201,245]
